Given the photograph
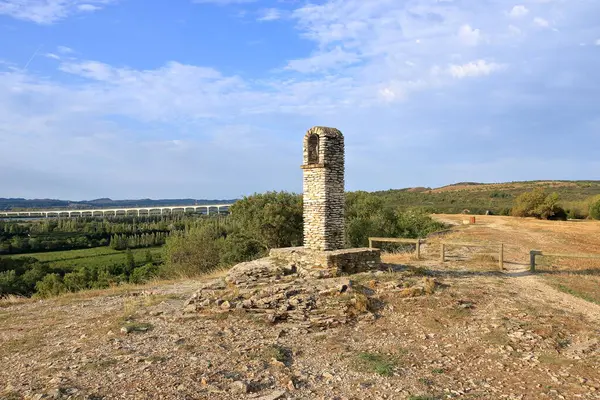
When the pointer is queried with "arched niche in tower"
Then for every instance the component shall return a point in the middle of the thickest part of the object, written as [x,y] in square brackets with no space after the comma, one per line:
[313,149]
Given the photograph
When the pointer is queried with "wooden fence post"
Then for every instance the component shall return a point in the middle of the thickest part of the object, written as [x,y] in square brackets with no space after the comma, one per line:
[501,258]
[443,254]
[418,249]
[370,243]
[532,255]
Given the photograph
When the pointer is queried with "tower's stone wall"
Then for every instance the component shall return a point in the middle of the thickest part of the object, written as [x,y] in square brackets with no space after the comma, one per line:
[323,187]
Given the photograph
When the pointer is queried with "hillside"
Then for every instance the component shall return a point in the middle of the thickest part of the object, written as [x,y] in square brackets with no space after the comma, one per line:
[480,197]
[475,197]
[423,330]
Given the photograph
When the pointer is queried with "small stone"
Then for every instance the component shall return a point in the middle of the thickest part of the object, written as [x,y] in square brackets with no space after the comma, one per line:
[190,308]
[225,305]
[291,386]
[277,363]
[273,396]
[239,387]
[125,330]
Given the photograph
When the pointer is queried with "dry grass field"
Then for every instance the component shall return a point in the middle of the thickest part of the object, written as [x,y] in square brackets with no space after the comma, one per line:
[454,330]
[579,277]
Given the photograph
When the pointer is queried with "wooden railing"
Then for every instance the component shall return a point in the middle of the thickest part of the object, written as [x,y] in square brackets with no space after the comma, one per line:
[500,250]
[419,242]
[416,242]
[534,253]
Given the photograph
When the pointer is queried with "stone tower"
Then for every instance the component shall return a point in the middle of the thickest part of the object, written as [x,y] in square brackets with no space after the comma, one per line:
[323,183]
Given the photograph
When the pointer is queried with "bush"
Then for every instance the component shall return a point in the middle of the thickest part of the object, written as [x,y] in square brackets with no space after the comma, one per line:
[239,247]
[367,216]
[144,274]
[193,252]
[51,285]
[274,219]
[76,281]
[538,204]
[9,283]
[595,209]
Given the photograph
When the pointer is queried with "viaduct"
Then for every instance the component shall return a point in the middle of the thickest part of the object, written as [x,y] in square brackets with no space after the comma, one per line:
[122,211]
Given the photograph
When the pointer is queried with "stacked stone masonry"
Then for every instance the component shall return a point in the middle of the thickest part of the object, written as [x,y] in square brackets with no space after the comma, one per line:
[323,188]
[327,264]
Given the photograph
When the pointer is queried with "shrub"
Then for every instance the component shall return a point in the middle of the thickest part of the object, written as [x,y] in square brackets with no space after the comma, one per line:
[76,281]
[274,219]
[51,285]
[539,205]
[144,274]
[9,283]
[595,209]
[239,247]
[193,252]
[367,215]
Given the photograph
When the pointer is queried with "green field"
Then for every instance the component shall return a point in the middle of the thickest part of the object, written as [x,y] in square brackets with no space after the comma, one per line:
[95,257]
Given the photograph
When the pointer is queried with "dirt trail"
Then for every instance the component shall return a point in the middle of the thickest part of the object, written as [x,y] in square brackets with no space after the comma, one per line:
[535,289]
[522,235]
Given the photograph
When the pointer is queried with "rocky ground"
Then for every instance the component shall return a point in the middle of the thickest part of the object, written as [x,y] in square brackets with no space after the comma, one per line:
[413,330]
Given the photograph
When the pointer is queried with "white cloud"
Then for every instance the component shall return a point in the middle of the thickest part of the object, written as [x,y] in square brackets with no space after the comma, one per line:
[223,2]
[469,36]
[174,91]
[48,11]
[388,94]
[514,30]
[519,11]
[598,42]
[88,7]
[323,61]
[271,14]
[541,22]
[53,56]
[474,69]
[65,50]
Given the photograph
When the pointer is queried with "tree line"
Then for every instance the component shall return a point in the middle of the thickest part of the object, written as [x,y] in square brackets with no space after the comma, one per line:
[195,244]
[32,236]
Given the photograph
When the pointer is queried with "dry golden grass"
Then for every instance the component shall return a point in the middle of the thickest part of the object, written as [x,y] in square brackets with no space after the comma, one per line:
[11,300]
[578,277]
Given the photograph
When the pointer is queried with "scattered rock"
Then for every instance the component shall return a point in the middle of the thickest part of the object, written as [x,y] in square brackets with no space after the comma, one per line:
[273,396]
[239,387]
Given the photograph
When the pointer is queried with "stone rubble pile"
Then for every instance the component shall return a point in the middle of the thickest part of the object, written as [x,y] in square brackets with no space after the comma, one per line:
[278,294]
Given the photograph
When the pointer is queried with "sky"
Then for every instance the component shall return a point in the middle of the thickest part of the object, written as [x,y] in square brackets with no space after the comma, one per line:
[212,98]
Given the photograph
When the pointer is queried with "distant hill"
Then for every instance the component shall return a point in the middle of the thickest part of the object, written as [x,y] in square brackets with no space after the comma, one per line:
[473,196]
[19,203]
[480,197]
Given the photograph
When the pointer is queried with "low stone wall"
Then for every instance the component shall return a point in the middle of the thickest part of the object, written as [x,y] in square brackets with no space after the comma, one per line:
[323,264]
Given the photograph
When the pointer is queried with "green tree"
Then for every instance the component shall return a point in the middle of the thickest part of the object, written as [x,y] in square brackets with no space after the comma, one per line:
[595,209]
[193,252]
[239,247]
[274,218]
[144,274]
[9,283]
[51,285]
[538,204]
[129,261]
[76,281]
[148,257]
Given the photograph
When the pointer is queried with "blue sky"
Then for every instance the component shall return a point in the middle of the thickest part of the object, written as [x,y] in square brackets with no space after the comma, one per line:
[211,98]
